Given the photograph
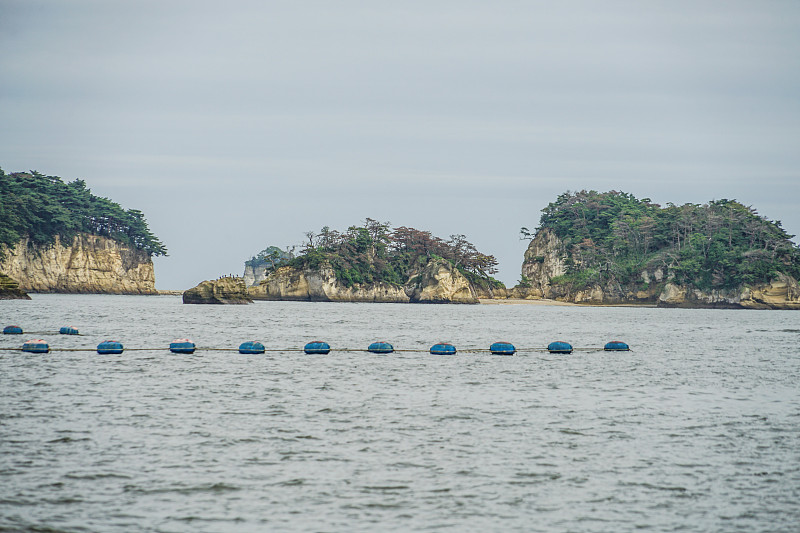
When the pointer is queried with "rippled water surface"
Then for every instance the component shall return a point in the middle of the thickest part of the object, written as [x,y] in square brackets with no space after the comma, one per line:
[697,429]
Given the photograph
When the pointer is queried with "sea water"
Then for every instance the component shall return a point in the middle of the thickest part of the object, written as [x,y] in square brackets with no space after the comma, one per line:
[696,429]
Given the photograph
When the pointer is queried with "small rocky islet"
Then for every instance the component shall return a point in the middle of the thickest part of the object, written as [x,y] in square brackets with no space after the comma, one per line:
[224,290]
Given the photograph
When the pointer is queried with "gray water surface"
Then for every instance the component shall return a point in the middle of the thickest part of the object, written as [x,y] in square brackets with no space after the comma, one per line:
[697,429]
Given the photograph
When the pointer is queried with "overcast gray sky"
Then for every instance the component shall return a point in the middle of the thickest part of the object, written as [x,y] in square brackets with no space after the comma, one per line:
[242,124]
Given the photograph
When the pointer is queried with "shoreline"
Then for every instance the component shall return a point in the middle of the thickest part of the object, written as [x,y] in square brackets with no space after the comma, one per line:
[522,301]
[546,301]
[481,301]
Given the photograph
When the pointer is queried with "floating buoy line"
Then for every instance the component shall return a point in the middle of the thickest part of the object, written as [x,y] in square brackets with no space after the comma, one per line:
[186,346]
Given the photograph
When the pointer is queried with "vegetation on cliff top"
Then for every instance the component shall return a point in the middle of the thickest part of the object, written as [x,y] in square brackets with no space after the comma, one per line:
[269,258]
[376,252]
[42,207]
[719,245]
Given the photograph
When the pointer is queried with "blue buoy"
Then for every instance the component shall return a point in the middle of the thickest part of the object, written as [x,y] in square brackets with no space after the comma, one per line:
[502,348]
[12,330]
[616,346]
[181,346]
[68,330]
[443,348]
[317,347]
[36,346]
[109,347]
[380,347]
[559,347]
[251,347]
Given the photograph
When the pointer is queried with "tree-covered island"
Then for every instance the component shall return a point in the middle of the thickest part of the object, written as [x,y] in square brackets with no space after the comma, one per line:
[59,237]
[375,258]
[377,252]
[626,249]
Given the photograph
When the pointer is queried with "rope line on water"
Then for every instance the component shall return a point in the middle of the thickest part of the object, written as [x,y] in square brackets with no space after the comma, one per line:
[350,350]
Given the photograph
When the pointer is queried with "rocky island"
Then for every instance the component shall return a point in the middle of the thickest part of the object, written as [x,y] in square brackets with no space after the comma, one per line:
[612,248]
[374,263]
[59,237]
[225,290]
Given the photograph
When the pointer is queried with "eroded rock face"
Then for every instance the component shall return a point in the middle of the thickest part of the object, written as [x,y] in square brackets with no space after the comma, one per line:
[254,275]
[544,260]
[782,292]
[440,282]
[9,289]
[524,293]
[90,264]
[227,290]
[289,283]
[491,293]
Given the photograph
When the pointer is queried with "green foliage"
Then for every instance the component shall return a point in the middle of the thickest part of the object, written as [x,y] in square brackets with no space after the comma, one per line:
[42,207]
[525,282]
[375,252]
[270,258]
[719,245]
[485,282]
[578,280]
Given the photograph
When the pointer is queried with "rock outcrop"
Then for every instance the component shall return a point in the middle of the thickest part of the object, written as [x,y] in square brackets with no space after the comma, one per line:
[9,289]
[437,282]
[90,264]
[783,292]
[226,290]
[440,282]
[546,258]
[321,285]
[253,275]
[491,293]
